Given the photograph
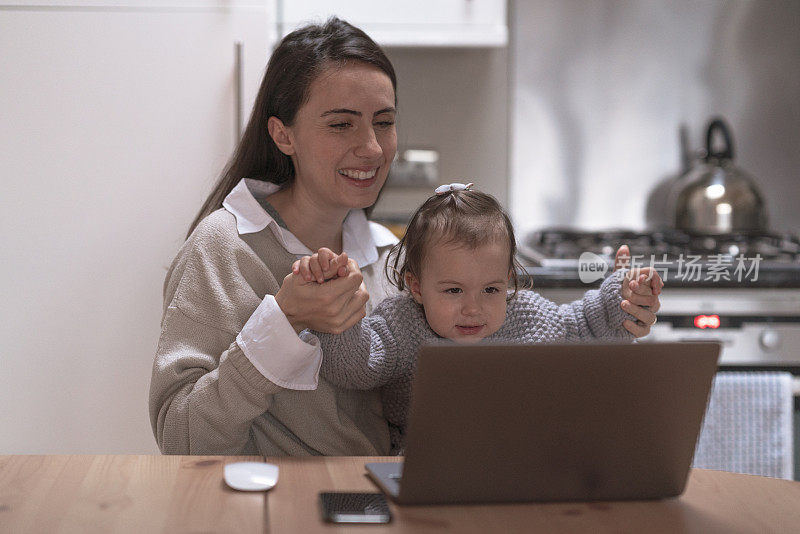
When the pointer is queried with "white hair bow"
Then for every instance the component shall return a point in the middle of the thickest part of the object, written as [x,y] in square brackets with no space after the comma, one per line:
[447,188]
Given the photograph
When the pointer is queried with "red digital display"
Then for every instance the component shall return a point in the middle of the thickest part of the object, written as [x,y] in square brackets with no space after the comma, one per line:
[706,321]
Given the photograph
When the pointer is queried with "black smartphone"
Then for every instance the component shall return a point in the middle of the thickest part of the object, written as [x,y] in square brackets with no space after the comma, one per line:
[348,507]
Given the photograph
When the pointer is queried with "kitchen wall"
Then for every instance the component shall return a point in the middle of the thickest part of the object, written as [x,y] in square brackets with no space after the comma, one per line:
[115,120]
[456,102]
[600,87]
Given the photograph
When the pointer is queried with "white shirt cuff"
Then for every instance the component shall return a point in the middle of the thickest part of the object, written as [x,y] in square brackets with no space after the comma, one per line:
[272,346]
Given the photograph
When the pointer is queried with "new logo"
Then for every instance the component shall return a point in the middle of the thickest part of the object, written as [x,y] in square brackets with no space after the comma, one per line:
[591,267]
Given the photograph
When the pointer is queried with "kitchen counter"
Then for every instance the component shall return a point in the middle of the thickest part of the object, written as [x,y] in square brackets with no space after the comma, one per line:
[187,493]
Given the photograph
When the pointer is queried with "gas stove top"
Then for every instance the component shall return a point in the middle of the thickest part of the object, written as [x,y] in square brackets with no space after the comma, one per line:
[754,311]
[731,260]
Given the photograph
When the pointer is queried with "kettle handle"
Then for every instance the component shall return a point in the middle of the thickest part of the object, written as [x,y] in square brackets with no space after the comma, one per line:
[727,153]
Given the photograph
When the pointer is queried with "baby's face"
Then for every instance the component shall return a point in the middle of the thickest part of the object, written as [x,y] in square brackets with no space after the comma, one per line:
[463,290]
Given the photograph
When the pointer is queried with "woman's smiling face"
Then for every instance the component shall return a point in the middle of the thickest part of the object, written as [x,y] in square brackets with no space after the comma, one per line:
[343,139]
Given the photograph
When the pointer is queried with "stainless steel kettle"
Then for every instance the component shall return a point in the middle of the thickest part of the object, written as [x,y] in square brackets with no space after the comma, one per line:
[715,197]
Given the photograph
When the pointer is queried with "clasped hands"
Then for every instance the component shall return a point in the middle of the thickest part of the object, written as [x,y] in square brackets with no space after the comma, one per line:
[339,304]
[331,307]
[640,290]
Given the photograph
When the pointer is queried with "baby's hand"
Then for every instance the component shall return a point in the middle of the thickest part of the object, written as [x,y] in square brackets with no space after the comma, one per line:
[320,266]
[640,290]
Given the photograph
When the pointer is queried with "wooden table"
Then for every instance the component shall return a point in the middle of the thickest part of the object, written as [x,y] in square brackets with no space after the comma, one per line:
[170,494]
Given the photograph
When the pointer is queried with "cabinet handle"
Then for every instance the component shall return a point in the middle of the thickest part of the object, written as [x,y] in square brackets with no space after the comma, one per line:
[238,85]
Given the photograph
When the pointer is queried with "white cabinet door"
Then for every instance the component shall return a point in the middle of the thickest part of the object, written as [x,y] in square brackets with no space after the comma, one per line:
[115,120]
[409,23]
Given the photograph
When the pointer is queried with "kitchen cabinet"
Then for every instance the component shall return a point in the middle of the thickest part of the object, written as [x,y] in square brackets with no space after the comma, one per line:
[115,120]
[445,23]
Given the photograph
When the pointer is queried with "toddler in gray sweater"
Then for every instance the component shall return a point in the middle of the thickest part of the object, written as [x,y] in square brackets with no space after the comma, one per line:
[457,261]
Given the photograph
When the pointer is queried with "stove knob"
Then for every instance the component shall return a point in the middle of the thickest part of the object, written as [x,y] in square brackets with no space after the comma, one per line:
[770,339]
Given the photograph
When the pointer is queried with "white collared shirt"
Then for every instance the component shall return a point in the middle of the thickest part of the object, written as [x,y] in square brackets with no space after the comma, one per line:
[268,339]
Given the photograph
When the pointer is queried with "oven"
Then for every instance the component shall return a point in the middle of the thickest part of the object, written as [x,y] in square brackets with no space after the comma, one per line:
[740,290]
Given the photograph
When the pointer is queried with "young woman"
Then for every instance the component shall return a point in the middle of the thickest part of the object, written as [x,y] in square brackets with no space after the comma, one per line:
[233,373]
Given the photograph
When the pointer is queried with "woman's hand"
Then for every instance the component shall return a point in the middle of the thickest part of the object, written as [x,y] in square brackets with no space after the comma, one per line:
[331,307]
[321,266]
[640,290]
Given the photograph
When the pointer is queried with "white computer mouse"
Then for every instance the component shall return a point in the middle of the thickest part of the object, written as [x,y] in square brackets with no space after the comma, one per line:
[251,476]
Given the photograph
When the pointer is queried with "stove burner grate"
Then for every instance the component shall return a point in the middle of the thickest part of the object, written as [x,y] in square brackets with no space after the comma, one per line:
[566,243]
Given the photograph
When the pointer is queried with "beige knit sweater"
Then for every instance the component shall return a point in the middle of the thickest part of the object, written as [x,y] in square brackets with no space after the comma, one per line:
[206,397]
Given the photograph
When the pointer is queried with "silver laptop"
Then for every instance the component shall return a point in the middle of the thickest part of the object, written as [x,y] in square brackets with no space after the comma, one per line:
[506,423]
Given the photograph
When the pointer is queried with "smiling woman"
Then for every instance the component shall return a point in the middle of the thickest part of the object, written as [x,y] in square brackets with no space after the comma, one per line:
[341,144]
[235,372]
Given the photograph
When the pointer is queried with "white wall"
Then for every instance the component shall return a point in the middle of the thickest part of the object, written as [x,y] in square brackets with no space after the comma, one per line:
[113,125]
[600,88]
[456,102]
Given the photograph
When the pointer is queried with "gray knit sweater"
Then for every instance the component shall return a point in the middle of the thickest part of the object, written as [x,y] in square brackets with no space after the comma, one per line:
[380,351]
